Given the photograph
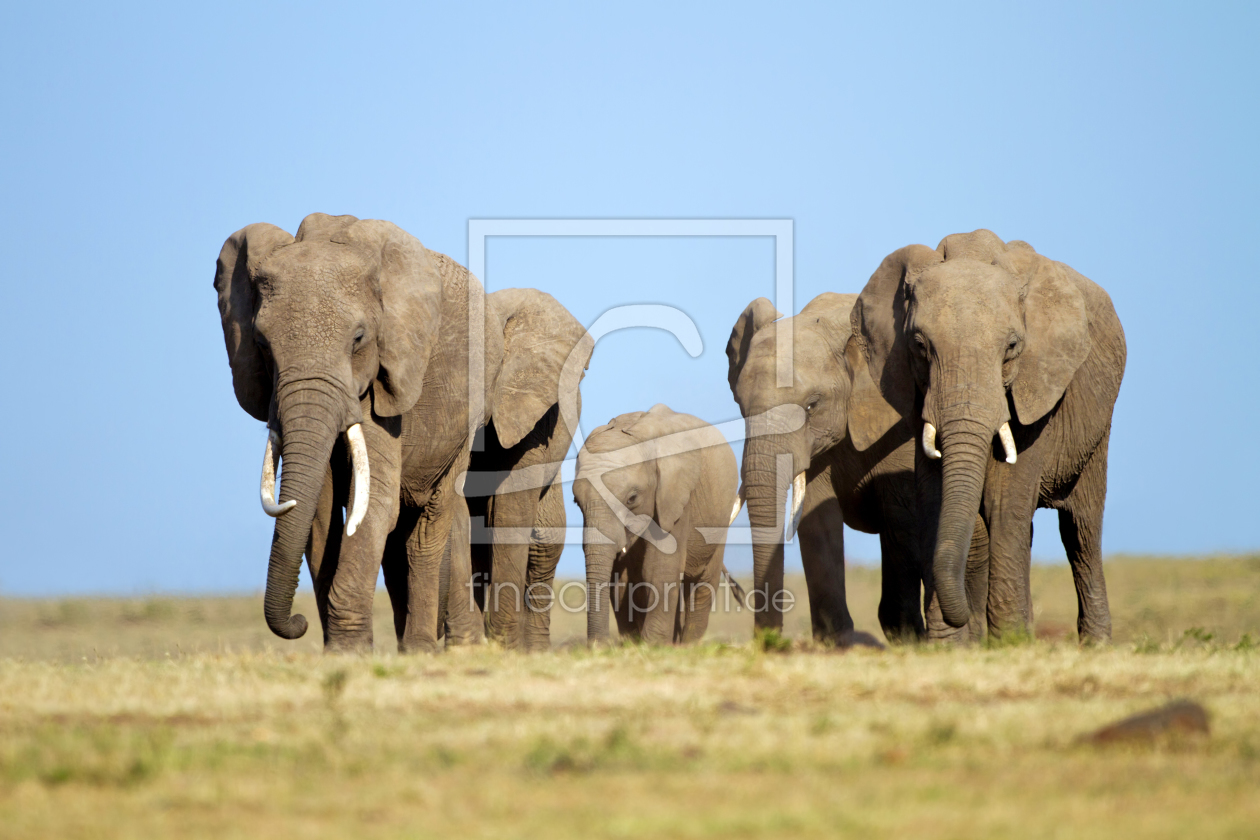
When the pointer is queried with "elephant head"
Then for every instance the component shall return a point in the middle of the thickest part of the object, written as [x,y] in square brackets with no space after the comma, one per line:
[315,325]
[635,477]
[963,333]
[795,413]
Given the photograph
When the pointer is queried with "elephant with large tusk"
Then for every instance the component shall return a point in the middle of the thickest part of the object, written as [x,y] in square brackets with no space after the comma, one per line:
[820,436]
[356,345]
[1011,363]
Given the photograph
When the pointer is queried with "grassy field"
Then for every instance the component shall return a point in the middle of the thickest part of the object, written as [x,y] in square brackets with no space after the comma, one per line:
[164,717]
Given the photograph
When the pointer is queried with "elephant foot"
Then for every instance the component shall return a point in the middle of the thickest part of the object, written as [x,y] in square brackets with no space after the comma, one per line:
[858,638]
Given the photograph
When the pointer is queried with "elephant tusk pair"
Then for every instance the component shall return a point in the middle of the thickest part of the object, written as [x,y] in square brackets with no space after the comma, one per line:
[798,499]
[1004,434]
[362,478]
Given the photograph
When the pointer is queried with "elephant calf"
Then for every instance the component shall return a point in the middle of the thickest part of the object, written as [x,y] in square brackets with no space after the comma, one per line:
[656,489]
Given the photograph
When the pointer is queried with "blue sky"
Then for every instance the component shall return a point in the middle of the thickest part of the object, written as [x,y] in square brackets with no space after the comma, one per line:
[135,140]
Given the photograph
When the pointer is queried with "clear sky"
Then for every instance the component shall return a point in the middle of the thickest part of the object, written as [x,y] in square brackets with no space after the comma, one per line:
[134,140]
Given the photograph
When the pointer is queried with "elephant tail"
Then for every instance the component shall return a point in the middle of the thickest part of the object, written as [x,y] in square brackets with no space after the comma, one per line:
[736,589]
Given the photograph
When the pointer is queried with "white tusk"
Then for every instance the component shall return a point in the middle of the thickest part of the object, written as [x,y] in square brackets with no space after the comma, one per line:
[359,491]
[798,501]
[929,442]
[271,458]
[1008,442]
[739,503]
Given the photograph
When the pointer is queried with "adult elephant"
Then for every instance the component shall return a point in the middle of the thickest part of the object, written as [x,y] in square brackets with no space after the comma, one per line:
[352,342]
[1009,365]
[655,489]
[819,426]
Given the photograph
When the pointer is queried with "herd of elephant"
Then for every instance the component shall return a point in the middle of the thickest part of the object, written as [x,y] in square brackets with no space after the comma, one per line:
[963,388]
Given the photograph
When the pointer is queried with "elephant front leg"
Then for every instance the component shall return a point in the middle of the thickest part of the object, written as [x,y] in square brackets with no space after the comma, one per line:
[547,542]
[464,623]
[699,596]
[511,516]
[324,545]
[821,538]
[1010,497]
[900,580]
[429,557]
[657,595]
[359,561]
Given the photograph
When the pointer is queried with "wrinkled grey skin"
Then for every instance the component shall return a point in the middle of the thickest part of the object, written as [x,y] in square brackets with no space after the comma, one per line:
[968,336]
[354,321]
[859,469]
[663,475]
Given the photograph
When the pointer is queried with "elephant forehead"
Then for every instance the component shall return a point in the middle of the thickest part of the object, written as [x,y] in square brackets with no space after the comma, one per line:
[814,346]
[967,288]
[306,267]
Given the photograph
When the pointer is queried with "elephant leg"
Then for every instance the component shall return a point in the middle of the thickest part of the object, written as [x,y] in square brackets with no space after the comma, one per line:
[701,595]
[1080,526]
[512,518]
[1010,497]
[977,579]
[463,617]
[662,580]
[547,542]
[619,601]
[394,567]
[428,563]
[821,538]
[900,584]
[324,544]
[359,562]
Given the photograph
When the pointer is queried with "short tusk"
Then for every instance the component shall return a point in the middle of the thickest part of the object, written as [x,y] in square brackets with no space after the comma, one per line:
[1008,442]
[739,504]
[359,488]
[271,459]
[929,442]
[798,501]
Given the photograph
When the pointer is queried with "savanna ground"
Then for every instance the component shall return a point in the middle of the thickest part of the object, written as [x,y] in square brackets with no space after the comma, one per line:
[184,717]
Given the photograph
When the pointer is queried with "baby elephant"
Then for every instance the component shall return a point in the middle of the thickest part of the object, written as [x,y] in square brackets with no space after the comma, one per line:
[656,490]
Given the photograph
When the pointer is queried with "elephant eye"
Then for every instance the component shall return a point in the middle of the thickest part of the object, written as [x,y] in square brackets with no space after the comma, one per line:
[1012,345]
[358,337]
[811,405]
[920,345]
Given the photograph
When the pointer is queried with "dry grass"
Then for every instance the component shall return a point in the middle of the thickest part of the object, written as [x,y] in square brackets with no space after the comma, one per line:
[182,717]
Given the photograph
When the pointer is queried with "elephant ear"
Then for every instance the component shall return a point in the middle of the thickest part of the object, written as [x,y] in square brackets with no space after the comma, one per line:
[234,280]
[545,351]
[411,306]
[1056,324]
[677,459]
[878,354]
[755,316]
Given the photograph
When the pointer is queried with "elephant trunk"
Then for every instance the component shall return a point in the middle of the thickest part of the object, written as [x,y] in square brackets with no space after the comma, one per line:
[765,492]
[599,564]
[310,414]
[965,450]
